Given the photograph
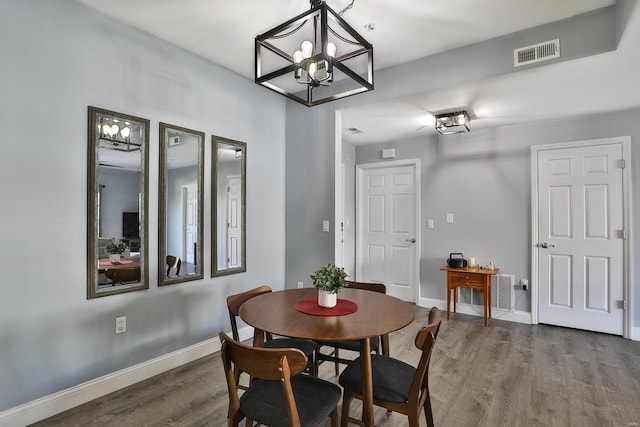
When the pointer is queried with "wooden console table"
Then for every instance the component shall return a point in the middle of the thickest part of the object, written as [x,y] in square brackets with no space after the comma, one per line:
[475,278]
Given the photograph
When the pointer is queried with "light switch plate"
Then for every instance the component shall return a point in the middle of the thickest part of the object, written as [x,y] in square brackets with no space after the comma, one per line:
[429,223]
[325,226]
[449,218]
[121,324]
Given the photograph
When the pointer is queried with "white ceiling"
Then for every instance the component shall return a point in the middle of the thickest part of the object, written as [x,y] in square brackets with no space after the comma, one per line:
[224,33]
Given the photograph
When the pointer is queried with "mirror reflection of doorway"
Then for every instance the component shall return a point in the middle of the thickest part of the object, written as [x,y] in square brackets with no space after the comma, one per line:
[190,227]
[234,221]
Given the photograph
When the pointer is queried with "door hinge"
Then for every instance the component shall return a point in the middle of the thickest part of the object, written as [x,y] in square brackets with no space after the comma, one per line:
[622,163]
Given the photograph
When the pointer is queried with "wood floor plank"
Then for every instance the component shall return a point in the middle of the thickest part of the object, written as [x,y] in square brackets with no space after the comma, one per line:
[508,374]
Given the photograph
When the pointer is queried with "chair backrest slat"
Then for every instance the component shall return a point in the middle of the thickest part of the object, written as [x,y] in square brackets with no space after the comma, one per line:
[425,341]
[235,301]
[375,287]
[263,362]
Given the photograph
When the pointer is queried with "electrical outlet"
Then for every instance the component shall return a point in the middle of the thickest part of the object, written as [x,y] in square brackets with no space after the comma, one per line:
[300,285]
[121,324]
[524,283]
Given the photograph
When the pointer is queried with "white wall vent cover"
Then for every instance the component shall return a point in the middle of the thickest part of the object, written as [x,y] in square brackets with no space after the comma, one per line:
[536,53]
[502,293]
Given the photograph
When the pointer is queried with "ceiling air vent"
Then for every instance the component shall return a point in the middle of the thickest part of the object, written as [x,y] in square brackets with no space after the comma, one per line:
[536,53]
[355,130]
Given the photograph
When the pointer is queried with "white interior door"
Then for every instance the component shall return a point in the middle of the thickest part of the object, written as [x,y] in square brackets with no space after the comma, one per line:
[189,222]
[234,221]
[580,237]
[387,209]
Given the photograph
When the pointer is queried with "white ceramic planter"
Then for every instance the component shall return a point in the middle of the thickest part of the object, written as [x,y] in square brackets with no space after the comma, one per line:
[327,299]
[114,257]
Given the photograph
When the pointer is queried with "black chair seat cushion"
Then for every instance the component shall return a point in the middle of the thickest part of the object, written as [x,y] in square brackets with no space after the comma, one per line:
[315,399]
[307,346]
[391,378]
[352,345]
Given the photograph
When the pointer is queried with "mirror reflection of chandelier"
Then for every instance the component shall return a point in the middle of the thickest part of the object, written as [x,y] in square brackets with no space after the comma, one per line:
[115,134]
[314,58]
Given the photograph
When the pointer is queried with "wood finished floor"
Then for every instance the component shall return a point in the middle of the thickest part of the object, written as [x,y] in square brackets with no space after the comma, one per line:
[508,374]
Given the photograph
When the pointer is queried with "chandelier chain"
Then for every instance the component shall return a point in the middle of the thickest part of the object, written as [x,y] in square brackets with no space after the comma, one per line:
[349,6]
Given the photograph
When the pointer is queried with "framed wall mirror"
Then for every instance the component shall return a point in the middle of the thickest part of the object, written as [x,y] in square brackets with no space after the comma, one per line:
[228,186]
[180,205]
[117,203]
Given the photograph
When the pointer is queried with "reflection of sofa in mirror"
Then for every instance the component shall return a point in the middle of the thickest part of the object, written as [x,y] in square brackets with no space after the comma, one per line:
[102,247]
[102,254]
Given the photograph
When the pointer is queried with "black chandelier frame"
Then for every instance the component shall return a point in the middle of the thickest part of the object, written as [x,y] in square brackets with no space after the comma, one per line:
[321,13]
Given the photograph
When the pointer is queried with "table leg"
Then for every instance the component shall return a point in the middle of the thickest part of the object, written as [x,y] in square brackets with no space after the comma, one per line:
[258,337]
[455,299]
[485,297]
[367,382]
[448,300]
[489,288]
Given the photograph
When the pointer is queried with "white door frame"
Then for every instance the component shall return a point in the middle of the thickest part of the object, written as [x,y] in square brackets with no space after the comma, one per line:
[415,163]
[338,193]
[184,194]
[627,256]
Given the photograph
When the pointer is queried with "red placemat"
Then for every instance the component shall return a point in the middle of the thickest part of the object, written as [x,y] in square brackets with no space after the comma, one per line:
[310,306]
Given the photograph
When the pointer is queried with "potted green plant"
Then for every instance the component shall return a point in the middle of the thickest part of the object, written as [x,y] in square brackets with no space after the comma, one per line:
[115,248]
[328,281]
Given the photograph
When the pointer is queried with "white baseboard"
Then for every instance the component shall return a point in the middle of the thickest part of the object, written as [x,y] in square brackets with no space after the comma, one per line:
[61,401]
[496,313]
[635,333]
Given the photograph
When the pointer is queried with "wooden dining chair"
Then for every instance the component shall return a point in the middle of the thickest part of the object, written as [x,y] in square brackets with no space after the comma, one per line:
[173,262]
[123,275]
[378,344]
[308,347]
[276,396]
[397,386]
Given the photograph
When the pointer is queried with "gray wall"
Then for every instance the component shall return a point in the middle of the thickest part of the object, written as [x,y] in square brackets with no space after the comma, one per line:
[493,160]
[484,179]
[58,57]
[119,194]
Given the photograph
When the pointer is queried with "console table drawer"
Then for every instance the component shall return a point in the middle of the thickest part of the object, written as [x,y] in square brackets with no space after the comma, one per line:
[465,279]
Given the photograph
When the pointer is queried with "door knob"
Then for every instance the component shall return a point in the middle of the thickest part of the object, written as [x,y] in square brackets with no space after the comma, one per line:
[411,240]
[546,245]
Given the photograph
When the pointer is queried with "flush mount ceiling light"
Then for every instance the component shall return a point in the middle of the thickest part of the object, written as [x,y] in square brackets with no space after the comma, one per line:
[314,58]
[455,122]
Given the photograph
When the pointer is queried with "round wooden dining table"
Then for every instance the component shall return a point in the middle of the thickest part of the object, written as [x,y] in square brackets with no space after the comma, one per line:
[376,314]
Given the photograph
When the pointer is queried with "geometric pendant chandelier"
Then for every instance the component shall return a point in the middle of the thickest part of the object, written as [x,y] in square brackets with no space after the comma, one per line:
[314,58]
